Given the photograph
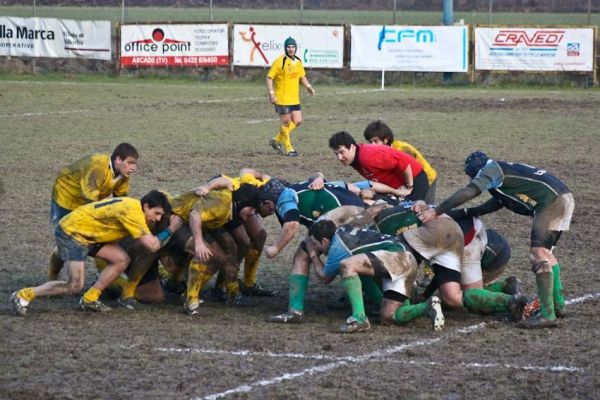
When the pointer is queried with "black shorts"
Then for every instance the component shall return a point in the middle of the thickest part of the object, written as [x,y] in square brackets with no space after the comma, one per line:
[287,109]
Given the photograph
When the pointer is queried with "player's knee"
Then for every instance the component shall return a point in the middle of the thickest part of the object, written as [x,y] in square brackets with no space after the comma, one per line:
[452,298]
[539,258]
[346,269]
[259,239]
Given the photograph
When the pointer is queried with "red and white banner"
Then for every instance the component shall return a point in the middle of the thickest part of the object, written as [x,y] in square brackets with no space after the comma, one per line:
[317,46]
[57,38]
[534,49]
[165,45]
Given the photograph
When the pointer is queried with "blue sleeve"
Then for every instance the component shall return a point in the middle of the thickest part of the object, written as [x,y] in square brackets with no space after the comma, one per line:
[489,177]
[337,252]
[363,185]
[287,201]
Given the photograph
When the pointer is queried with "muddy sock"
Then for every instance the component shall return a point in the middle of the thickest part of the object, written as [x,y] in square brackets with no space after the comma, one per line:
[354,291]
[545,285]
[197,277]
[27,294]
[559,300]
[483,301]
[408,312]
[371,289]
[251,260]
[496,287]
[232,288]
[298,285]
[91,295]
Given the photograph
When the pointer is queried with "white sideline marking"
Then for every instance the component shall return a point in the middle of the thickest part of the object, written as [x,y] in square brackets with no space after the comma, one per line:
[37,114]
[396,349]
[555,368]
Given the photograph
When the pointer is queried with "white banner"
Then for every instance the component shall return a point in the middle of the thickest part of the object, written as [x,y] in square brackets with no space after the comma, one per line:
[534,49]
[259,45]
[51,37]
[410,48]
[185,45]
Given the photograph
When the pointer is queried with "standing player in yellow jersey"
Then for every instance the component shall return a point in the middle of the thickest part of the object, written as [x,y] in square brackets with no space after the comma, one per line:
[378,132]
[90,179]
[283,81]
[94,230]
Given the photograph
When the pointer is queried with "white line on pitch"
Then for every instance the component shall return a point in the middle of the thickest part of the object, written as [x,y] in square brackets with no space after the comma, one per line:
[37,114]
[366,357]
[555,368]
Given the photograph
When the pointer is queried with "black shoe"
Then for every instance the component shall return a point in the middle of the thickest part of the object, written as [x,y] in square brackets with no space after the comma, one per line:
[293,153]
[256,290]
[511,286]
[516,306]
[538,322]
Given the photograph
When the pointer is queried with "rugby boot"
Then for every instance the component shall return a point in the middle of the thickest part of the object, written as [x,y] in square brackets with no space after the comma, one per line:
[560,312]
[192,308]
[255,290]
[287,317]
[276,146]
[293,153]
[130,303]
[516,307]
[19,305]
[434,312]
[511,285]
[237,300]
[538,322]
[97,305]
[352,325]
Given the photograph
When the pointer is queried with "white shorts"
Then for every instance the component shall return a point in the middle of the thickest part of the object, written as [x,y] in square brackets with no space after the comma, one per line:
[471,260]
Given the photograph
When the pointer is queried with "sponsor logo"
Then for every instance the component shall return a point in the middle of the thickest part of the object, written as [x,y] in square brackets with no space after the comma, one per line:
[258,47]
[573,49]
[387,35]
[158,43]
[22,32]
[541,38]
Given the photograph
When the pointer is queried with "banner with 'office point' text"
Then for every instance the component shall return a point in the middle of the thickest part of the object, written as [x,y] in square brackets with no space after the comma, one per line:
[316,46]
[57,38]
[174,45]
[534,49]
[409,48]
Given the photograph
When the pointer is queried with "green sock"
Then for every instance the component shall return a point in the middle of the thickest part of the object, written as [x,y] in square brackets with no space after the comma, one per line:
[408,312]
[354,291]
[298,284]
[559,300]
[496,287]
[545,285]
[371,289]
[484,301]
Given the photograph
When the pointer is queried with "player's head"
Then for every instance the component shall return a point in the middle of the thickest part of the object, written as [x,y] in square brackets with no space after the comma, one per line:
[474,162]
[290,46]
[321,233]
[344,147]
[246,200]
[125,159]
[377,132]
[155,204]
[269,193]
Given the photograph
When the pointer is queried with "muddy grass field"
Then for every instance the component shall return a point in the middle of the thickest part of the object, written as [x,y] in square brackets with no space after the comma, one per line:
[187,132]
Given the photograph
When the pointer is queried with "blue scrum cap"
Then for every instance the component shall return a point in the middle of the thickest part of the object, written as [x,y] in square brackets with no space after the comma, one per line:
[474,162]
[290,41]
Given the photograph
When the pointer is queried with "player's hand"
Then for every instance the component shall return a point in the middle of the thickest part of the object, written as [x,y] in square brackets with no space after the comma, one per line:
[175,222]
[272,98]
[311,90]
[427,215]
[201,190]
[202,252]
[419,206]
[271,251]
[317,184]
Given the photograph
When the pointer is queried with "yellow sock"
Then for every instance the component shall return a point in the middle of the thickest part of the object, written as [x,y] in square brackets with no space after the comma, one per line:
[54,266]
[251,260]
[232,288]
[26,294]
[91,295]
[163,273]
[130,286]
[120,282]
[286,133]
[198,275]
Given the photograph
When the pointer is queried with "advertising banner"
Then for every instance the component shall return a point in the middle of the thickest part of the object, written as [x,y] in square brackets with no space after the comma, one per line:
[534,49]
[259,45]
[410,48]
[57,38]
[166,45]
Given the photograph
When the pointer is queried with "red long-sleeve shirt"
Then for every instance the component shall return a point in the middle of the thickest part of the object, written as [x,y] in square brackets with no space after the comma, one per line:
[384,164]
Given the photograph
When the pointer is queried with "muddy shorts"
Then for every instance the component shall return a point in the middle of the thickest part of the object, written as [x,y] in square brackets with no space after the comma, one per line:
[399,270]
[439,241]
[71,250]
[470,271]
[548,223]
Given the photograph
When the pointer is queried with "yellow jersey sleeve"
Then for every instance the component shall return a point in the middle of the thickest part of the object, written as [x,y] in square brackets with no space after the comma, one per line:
[286,74]
[410,149]
[106,221]
[183,204]
[251,180]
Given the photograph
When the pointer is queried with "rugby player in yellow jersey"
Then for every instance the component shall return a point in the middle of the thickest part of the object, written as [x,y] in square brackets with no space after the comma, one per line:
[93,230]
[204,238]
[250,236]
[90,179]
[378,132]
[283,81]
